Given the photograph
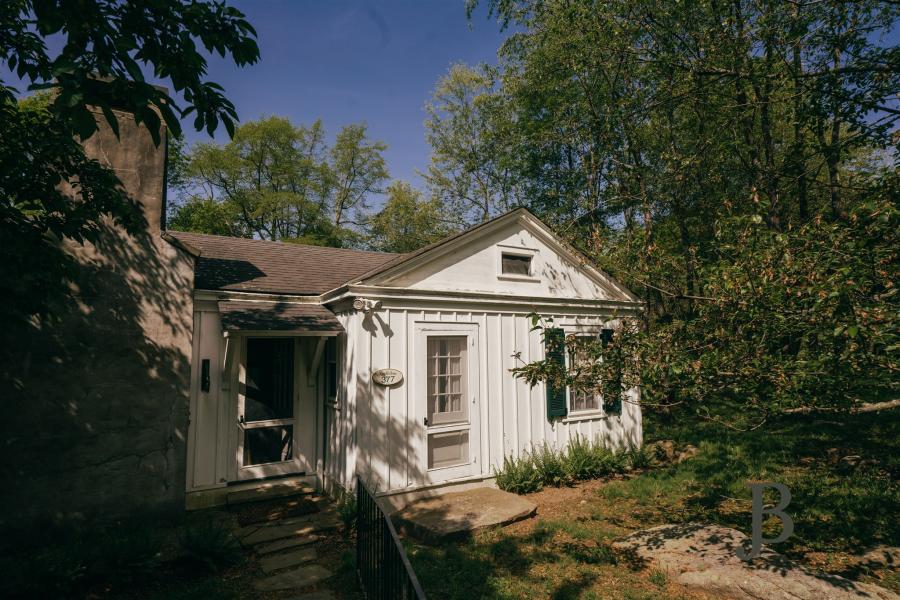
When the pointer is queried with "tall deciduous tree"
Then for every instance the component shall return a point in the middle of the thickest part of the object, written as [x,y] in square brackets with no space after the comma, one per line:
[278,181]
[407,221]
[467,170]
[711,155]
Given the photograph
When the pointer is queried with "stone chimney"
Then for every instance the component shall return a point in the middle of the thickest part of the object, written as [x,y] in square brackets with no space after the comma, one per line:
[139,164]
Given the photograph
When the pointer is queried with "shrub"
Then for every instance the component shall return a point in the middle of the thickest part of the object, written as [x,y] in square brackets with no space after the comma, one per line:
[518,475]
[608,461]
[550,465]
[581,460]
[210,543]
[347,511]
[639,457]
[659,578]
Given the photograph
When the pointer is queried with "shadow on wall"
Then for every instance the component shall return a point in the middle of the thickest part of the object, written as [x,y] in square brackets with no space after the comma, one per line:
[391,460]
[96,394]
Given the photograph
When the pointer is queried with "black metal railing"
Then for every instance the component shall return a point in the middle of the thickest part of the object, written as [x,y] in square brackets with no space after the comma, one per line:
[382,564]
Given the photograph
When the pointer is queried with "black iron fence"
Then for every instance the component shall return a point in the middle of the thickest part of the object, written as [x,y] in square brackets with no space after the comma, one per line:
[384,570]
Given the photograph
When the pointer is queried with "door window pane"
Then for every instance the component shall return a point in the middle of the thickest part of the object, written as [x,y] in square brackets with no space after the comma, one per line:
[446,376]
[270,379]
[448,449]
[268,445]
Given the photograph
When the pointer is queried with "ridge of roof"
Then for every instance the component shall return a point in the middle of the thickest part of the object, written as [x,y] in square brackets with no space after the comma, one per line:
[275,243]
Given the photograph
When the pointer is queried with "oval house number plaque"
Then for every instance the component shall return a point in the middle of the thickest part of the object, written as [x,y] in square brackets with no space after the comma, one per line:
[387,376]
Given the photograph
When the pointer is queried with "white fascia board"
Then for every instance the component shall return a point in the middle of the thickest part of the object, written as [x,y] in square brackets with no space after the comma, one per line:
[480,299]
[254,297]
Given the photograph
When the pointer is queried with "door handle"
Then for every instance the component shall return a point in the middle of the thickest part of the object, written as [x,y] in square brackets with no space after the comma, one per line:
[241,420]
[426,421]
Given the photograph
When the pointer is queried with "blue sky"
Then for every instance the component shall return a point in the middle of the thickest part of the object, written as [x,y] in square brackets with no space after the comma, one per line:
[346,62]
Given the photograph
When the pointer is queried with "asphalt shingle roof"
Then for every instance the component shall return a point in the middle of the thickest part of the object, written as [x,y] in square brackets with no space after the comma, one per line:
[276,316]
[246,265]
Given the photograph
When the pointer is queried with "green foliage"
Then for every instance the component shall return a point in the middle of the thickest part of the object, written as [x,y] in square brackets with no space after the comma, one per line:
[581,459]
[407,222]
[465,128]
[518,475]
[639,458]
[278,181]
[732,164]
[550,465]
[547,466]
[35,208]
[659,578]
[210,544]
[105,48]
[347,511]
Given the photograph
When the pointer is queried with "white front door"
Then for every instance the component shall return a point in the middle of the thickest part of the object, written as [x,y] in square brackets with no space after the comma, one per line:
[447,384]
[268,408]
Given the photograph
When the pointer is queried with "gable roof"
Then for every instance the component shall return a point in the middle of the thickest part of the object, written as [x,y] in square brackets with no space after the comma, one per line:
[246,265]
[406,262]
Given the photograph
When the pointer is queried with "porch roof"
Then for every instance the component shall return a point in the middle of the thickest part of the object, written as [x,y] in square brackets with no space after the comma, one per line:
[238,315]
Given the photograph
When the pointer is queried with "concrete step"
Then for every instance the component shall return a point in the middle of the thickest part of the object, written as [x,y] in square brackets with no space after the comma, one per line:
[296,578]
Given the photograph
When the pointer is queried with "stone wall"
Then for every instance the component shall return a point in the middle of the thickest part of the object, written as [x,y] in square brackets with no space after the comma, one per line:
[96,423]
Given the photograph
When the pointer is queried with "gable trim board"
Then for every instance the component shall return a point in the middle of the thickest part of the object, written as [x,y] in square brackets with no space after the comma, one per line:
[450,286]
[385,274]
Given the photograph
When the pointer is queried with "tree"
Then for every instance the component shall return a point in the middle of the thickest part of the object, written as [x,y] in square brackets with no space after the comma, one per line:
[356,170]
[278,181]
[106,48]
[715,157]
[407,222]
[465,120]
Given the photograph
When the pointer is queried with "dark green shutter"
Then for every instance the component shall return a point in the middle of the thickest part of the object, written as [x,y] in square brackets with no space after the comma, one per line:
[554,350]
[612,405]
[606,336]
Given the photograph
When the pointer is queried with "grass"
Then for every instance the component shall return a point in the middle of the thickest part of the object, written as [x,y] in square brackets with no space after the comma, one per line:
[838,509]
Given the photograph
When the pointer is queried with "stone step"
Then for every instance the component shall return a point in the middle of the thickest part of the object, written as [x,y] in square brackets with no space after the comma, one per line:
[296,578]
[301,555]
[286,543]
[274,532]
[320,595]
[269,491]
[303,519]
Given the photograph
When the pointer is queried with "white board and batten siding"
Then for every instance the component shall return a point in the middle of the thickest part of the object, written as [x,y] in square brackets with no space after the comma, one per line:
[512,415]
[465,285]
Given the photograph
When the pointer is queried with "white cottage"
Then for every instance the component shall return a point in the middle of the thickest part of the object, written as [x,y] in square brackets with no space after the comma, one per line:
[326,363]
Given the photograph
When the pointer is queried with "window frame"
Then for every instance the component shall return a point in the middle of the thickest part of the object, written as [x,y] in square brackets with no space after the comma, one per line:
[463,393]
[598,395]
[531,253]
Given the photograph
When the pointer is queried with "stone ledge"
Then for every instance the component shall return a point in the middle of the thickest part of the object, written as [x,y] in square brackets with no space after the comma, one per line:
[460,514]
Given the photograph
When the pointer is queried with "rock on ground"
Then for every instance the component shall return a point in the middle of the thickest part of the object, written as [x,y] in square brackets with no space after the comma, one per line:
[459,514]
[703,557]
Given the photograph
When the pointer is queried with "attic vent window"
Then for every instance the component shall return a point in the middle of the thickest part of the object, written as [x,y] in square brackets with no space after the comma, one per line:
[515,264]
